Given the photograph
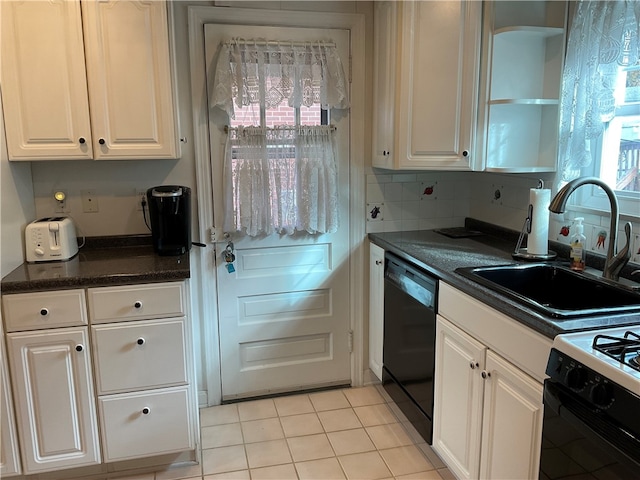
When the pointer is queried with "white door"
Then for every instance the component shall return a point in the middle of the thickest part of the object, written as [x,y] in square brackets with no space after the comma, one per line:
[284,312]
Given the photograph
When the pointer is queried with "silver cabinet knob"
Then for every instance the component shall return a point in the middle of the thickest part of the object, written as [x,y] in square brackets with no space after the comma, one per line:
[79,348]
[473,365]
[140,341]
[146,410]
[486,374]
[44,312]
[138,304]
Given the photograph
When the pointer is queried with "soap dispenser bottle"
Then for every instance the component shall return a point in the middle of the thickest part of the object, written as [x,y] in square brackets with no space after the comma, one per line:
[578,253]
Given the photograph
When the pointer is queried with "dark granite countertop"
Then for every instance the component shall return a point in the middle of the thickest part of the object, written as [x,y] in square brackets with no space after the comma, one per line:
[102,261]
[441,256]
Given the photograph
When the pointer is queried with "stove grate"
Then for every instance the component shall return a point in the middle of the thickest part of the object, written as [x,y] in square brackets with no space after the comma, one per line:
[624,349]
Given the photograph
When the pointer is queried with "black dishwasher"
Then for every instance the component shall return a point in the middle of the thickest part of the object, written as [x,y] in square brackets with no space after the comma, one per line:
[409,341]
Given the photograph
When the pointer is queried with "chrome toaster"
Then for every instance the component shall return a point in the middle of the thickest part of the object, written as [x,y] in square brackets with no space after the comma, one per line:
[50,238]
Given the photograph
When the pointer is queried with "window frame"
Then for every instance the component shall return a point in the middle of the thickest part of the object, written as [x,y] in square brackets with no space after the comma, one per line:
[592,199]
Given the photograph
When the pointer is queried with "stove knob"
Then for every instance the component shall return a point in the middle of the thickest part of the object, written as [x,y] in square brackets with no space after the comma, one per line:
[576,378]
[602,395]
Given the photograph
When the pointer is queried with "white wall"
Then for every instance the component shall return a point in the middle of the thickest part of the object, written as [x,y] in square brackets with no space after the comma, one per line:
[17,206]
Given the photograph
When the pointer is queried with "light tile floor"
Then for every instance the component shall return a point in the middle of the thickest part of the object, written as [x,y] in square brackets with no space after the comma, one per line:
[353,433]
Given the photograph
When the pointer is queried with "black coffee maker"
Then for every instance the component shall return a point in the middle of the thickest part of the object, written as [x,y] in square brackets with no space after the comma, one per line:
[170,215]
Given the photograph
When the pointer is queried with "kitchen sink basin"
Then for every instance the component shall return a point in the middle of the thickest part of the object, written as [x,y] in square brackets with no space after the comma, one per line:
[555,290]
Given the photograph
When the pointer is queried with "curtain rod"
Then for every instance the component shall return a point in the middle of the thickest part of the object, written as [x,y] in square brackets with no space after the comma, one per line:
[265,43]
[285,127]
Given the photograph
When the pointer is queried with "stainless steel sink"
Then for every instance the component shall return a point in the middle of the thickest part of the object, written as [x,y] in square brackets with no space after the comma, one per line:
[554,290]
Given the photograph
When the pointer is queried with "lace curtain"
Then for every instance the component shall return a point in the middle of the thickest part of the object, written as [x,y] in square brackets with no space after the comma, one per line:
[269,73]
[603,37]
[281,180]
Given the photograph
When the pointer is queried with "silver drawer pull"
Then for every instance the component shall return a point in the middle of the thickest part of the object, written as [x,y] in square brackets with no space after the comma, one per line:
[146,410]
[140,341]
[79,348]
[138,304]
[44,312]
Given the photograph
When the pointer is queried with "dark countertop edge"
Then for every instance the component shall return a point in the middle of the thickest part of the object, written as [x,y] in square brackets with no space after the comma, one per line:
[542,324]
[116,246]
[84,282]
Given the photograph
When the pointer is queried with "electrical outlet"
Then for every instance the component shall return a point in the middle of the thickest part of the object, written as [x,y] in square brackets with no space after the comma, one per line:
[141,196]
[89,201]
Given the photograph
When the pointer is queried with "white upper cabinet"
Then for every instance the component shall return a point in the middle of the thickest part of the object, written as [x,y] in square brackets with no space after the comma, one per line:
[129,77]
[426,81]
[44,85]
[88,80]
[522,70]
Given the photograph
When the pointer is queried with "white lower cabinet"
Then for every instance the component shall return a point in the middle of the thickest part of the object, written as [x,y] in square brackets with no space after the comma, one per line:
[142,369]
[376,308]
[116,386]
[457,416]
[143,424]
[9,451]
[511,422]
[139,355]
[488,411]
[53,387]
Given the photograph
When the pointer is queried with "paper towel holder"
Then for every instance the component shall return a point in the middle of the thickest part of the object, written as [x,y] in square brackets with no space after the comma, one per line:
[521,253]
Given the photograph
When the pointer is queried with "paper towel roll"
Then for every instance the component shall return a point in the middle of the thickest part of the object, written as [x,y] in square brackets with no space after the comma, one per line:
[538,239]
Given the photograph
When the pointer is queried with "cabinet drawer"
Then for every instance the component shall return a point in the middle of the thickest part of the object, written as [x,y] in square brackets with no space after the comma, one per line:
[135,302]
[149,423]
[139,355]
[37,310]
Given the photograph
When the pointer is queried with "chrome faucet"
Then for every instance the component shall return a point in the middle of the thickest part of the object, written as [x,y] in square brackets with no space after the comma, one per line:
[615,262]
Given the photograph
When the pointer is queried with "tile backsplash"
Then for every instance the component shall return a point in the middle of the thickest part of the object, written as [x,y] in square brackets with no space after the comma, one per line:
[425,200]
[415,200]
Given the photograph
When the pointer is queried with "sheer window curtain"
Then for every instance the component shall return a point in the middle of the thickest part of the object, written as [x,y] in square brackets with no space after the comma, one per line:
[284,179]
[604,36]
[280,179]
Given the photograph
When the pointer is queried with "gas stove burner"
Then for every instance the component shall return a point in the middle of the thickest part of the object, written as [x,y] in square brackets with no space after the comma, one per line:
[625,349]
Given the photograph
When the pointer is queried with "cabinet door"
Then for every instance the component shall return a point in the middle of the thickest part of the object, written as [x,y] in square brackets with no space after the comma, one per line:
[385,60]
[457,416]
[129,77]
[53,385]
[376,308]
[438,84]
[512,422]
[9,459]
[44,88]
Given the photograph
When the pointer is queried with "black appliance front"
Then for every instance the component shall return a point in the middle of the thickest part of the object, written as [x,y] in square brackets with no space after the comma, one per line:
[409,341]
[170,216]
[590,427]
